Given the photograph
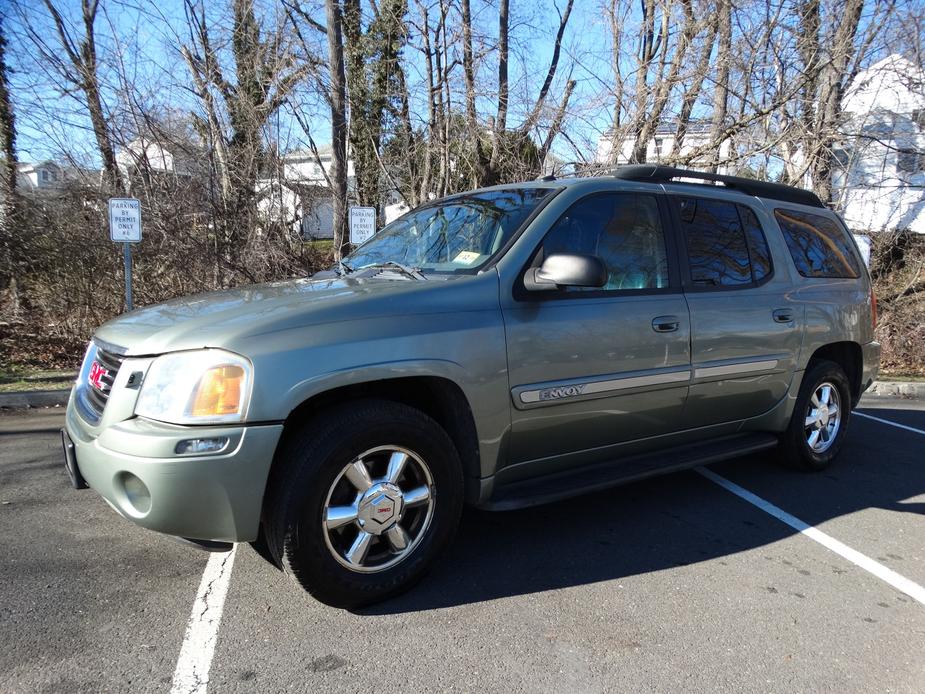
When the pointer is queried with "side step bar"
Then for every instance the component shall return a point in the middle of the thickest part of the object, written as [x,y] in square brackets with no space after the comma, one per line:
[562,485]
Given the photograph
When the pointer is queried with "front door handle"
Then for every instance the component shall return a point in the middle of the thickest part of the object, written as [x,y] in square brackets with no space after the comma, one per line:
[783,315]
[665,324]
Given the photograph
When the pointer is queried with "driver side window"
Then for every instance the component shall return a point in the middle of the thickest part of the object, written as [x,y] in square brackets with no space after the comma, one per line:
[624,230]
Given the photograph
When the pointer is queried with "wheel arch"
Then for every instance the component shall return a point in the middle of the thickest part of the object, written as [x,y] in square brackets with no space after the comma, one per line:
[849,356]
[439,397]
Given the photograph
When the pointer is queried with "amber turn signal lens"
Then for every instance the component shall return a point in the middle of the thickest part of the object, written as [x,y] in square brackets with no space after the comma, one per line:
[218,392]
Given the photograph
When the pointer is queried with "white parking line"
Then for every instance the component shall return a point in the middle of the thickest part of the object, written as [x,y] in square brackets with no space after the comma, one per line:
[192,671]
[887,421]
[901,583]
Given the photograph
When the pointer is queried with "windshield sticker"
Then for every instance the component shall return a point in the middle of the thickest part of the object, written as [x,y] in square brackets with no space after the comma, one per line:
[467,257]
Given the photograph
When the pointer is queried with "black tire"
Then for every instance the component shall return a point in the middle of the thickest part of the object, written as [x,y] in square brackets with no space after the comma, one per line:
[306,468]
[794,446]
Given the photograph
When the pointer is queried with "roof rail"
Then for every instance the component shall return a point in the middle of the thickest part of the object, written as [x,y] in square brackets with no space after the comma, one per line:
[653,173]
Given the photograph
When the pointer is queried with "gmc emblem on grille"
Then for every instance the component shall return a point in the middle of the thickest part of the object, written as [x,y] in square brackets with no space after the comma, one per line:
[96,376]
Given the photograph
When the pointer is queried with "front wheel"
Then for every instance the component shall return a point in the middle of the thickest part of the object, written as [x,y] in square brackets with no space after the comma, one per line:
[820,418]
[365,498]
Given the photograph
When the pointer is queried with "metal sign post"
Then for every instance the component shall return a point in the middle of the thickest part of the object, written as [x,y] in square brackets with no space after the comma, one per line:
[362,224]
[125,228]
[127,260]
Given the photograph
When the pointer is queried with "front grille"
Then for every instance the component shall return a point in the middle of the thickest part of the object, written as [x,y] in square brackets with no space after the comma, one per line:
[94,386]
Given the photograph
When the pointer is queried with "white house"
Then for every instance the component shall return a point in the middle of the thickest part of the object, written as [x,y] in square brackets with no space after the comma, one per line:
[303,165]
[662,147]
[300,197]
[309,200]
[154,156]
[880,184]
[43,176]
[305,207]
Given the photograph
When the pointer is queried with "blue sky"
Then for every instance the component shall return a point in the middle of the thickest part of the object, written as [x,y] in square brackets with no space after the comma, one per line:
[145,35]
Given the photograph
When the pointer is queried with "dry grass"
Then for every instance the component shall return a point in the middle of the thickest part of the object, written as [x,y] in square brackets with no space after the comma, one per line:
[898,270]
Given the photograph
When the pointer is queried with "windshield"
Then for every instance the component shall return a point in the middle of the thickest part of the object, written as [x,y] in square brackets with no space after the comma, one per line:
[458,234]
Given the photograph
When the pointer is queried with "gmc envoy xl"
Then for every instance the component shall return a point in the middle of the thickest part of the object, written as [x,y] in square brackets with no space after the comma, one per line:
[502,347]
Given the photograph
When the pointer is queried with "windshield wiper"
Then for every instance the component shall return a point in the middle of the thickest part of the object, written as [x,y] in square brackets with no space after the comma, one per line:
[343,269]
[412,272]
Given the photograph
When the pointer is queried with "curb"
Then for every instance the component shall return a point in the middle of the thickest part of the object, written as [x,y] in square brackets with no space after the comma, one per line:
[903,390]
[35,398]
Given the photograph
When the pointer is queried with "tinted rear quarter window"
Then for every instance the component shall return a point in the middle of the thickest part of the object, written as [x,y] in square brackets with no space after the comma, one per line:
[818,245]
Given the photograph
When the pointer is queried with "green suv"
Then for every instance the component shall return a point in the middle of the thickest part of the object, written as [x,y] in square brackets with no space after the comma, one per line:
[503,347]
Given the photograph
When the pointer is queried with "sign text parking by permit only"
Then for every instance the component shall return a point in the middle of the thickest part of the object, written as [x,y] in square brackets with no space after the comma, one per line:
[362,224]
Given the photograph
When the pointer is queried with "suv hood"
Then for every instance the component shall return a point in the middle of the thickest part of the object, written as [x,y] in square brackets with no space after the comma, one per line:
[222,318]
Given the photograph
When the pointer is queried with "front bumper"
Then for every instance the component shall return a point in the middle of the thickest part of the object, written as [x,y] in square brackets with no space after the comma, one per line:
[133,466]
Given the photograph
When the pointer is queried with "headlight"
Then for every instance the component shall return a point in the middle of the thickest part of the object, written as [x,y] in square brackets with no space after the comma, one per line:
[205,386]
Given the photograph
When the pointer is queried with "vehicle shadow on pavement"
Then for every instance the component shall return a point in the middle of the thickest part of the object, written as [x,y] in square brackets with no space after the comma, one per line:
[664,522]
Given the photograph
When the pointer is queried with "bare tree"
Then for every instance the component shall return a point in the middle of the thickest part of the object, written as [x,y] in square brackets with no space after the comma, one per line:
[79,68]
[8,193]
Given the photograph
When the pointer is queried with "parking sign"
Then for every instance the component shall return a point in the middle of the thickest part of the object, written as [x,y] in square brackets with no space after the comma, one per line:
[124,220]
[362,224]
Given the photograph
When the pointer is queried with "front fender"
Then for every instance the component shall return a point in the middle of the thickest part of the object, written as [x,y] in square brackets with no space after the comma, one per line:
[466,349]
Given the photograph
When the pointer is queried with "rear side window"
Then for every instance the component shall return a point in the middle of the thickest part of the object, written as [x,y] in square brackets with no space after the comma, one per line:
[818,245]
[724,241]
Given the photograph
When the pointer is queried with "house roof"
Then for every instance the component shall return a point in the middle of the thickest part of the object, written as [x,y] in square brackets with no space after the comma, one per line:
[29,167]
[669,126]
[893,84]
[267,186]
[302,154]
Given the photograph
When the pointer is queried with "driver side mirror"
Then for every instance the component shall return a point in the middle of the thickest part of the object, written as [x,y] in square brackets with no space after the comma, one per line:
[566,270]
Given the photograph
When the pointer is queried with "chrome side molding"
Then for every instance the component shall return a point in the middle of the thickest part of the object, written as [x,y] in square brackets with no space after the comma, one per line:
[556,392]
[735,369]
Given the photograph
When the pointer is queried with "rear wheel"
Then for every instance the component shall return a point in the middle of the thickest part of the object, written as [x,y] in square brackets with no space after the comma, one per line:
[365,498]
[820,417]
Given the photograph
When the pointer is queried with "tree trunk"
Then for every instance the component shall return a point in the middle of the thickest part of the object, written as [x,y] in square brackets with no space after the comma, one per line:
[644,59]
[692,93]
[721,90]
[503,55]
[832,82]
[8,204]
[338,100]
[479,165]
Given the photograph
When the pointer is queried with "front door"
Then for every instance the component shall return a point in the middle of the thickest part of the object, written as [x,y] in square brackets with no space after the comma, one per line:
[592,368]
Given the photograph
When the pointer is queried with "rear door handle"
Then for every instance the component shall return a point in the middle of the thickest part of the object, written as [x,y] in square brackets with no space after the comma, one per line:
[665,324]
[783,315]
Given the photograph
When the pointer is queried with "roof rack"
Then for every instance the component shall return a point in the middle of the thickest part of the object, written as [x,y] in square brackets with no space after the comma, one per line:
[653,173]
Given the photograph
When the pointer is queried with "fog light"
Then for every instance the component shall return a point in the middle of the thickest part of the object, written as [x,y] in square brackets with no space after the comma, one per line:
[213,445]
[137,496]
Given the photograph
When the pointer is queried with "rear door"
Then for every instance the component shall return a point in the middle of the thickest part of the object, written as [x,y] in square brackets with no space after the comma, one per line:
[746,329]
[591,368]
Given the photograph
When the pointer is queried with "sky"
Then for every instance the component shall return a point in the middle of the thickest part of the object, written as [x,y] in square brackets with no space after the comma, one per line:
[51,119]
[143,36]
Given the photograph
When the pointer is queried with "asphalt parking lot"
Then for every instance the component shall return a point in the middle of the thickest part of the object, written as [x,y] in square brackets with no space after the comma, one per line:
[676,583]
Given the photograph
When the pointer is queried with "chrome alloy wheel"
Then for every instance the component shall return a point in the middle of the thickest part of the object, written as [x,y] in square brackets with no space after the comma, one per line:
[823,417]
[378,509]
